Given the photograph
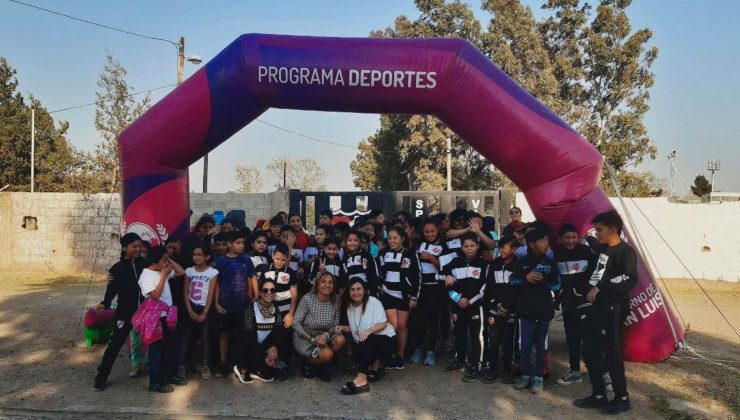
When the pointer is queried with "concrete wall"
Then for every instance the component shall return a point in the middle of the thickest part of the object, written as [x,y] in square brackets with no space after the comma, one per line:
[74,229]
[256,205]
[688,229]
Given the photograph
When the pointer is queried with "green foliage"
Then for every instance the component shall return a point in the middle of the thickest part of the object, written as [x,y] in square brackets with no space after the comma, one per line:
[115,110]
[701,186]
[56,161]
[589,67]
[635,184]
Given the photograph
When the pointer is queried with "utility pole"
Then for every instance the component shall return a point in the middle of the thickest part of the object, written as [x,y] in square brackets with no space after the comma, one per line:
[449,164]
[181,58]
[285,172]
[671,174]
[712,166]
[33,149]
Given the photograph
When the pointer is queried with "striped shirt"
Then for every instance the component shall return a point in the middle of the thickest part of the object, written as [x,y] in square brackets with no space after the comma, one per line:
[333,266]
[363,266]
[261,262]
[400,273]
[428,270]
[285,280]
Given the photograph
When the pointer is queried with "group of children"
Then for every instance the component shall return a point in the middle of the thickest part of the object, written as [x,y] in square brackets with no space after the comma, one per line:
[499,294]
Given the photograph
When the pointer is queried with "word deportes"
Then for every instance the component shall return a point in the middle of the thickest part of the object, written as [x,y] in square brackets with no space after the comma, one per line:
[336,77]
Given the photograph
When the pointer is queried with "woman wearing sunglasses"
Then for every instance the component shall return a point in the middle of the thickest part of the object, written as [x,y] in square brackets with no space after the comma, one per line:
[515,213]
[266,339]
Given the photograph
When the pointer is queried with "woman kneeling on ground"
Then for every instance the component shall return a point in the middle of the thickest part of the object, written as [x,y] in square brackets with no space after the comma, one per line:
[314,328]
[373,338]
[266,339]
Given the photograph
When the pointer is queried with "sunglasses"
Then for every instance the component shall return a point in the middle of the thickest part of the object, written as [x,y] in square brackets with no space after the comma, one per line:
[266,290]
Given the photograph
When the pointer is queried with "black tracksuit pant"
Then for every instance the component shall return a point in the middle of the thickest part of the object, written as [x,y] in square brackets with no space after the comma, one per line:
[501,337]
[602,346]
[118,337]
[573,336]
[468,322]
[428,310]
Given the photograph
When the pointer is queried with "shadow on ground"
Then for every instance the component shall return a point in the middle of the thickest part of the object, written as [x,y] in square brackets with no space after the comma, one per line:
[45,366]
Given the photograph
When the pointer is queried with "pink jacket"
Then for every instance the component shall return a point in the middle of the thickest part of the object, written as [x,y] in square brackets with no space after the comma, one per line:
[146,320]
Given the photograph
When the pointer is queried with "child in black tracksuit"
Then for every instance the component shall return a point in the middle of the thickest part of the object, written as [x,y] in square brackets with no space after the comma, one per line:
[499,310]
[123,284]
[433,294]
[575,264]
[536,278]
[615,274]
[465,278]
[327,261]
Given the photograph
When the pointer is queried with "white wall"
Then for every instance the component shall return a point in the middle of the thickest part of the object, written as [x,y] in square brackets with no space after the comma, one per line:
[687,228]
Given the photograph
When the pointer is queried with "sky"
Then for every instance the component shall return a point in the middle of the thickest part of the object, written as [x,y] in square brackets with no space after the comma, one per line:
[693,106]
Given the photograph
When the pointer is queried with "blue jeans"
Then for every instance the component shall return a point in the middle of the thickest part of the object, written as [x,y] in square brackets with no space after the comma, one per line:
[533,334]
[163,356]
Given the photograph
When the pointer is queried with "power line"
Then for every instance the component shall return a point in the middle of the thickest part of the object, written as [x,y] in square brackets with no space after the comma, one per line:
[93,23]
[112,99]
[306,136]
[686,268]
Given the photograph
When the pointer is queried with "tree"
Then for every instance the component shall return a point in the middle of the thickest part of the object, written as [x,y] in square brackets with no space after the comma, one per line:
[57,162]
[301,173]
[593,70]
[115,110]
[249,178]
[635,184]
[701,186]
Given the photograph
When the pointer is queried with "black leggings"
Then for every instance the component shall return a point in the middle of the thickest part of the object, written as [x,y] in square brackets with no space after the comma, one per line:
[253,356]
[375,347]
[602,346]
[427,315]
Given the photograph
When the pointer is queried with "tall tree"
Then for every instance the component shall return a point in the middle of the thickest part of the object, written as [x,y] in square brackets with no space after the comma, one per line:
[116,109]
[57,162]
[301,173]
[592,69]
[249,178]
[701,186]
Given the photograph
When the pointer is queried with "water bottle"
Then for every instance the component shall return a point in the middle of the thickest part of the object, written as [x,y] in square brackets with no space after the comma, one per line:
[455,296]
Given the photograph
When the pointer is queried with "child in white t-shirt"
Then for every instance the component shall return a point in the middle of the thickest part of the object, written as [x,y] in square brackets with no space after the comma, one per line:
[199,285]
[154,283]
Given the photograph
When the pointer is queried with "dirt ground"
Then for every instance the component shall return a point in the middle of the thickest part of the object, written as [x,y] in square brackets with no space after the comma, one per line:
[47,372]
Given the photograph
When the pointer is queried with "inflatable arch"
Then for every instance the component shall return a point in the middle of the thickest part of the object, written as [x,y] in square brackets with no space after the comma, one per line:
[555,167]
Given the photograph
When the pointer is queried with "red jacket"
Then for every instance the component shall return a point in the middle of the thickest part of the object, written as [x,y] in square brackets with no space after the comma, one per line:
[301,240]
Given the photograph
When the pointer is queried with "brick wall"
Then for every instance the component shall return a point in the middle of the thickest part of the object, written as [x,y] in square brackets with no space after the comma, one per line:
[688,229]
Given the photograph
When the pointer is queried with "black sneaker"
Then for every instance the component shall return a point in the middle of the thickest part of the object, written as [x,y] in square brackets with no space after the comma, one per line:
[471,375]
[592,401]
[616,406]
[324,373]
[261,376]
[161,388]
[507,376]
[100,385]
[455,367]
[219,372]
[178,380]
[489,376]
[281,375]
[242,375]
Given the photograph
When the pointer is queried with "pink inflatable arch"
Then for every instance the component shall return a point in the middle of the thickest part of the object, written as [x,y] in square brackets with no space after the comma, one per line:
[555,167]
